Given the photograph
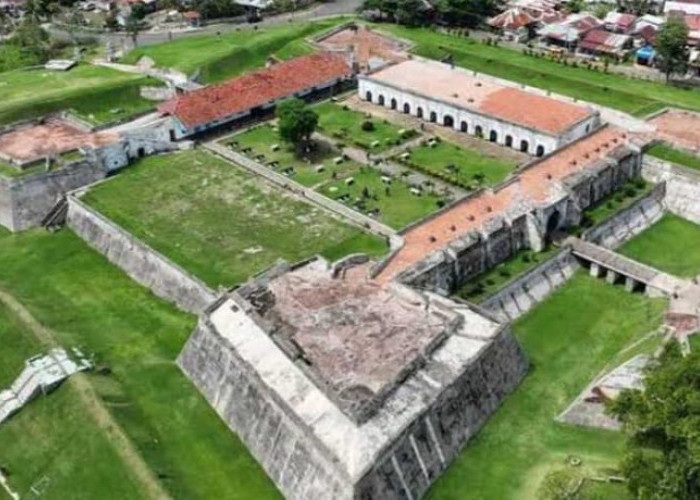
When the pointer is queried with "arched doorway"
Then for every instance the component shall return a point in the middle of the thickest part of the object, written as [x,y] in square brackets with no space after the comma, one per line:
[478,131]
[407,108]
[448,121]
[493,136]
[509,141]
[419,112]
[433,116]
[368,96]
[552,223]
[464,127]
[393,103]
[540,150]
[524,146]
[380,101]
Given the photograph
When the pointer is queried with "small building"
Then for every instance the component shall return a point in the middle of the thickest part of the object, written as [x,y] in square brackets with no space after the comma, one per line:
[693,23]
[570,31]
[691,7]
[647,35]
[645,55]
[618,22]
[192,18]
[521,23]
[599,42]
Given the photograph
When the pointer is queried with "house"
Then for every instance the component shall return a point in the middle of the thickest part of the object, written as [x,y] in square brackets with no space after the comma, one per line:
[192,18]
[254,94]
[599,42]
[645,55]
[693,22]
[618,22]
[521,23]
[691,7]
[647,35]
[570,31]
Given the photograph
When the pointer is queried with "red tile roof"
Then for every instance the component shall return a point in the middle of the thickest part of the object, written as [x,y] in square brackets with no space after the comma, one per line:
[220,101]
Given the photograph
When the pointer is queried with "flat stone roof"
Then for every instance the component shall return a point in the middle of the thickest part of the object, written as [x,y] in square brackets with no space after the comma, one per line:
[461,88]
[367,44]
[678,127]
[52,137]
[358,337]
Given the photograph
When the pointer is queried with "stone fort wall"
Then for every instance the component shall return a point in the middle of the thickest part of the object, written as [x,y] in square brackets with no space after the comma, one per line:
[682,187]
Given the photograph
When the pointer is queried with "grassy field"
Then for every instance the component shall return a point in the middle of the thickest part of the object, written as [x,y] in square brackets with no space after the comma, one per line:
[671,245]
[464,167]
[93,92]
[669,153]
[218,221]
[91,304]
[394,204]
[231,54]
[261,140]
[486,284]
[568,340]
[346,125]
[633,96]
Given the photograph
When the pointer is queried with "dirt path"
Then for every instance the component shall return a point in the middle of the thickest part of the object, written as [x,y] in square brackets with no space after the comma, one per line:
[93,405]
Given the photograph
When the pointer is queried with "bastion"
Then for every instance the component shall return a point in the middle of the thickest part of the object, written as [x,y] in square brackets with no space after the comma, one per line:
[345,387]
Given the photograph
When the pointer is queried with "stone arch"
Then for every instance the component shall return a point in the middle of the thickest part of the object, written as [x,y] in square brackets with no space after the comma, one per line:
[368,96]
[464,127]
[448,121]
[524,146]
[433,116]
[478,131]
[381,100]
[552,222]
[493,136]
[419,112]
[394,104]
[540,150]
[509,141]
[407,108]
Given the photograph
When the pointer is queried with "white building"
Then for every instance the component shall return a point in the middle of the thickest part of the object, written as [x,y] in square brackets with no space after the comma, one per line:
[691,7]
[456,98]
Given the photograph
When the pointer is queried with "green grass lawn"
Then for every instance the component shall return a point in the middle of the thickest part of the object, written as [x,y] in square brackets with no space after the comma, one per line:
[261,140]
[218,221]
[486,284]
[393,204]
[346,125]
[220,58]
[464,167]
[93,92]
[671,245]
[568,339]
[669,153]
[633,96]
[93,305]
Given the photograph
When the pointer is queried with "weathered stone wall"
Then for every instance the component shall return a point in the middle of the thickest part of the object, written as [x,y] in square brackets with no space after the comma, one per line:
[631,221]
[25,201]
[143,264]
[682,186]
[525,292]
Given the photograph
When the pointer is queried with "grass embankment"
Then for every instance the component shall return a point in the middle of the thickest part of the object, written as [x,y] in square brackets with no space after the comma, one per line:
[96,94]
[91,304]
[218,221]
[634,96]
[671,245]
[667,152]
[568,339]
[221,57]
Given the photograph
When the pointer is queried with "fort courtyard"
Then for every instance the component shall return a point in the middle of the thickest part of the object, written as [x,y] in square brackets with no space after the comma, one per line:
[424,295]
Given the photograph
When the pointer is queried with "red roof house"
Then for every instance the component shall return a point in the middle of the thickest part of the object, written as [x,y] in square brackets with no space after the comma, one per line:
[211,106]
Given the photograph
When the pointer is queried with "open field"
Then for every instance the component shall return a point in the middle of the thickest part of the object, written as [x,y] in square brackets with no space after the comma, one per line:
[394,204]
[89,303]
[463,167]
[671,245]
[344,124]
[219,58]
[218,221]
[669,153]
[481,287]
[633,96]
[568,340]
[93,92]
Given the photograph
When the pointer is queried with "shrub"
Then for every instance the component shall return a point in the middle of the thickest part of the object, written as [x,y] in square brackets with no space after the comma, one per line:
[368,126]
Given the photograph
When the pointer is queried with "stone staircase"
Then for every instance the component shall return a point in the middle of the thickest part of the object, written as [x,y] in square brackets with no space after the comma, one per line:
[57,216]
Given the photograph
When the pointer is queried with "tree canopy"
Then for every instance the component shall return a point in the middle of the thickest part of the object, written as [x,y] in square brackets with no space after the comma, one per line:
[671,46]
[297,122]
[417,12]
[663,427]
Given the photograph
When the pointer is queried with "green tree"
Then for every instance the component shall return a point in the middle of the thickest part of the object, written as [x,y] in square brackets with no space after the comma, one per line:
[410,12]
[663,428]
[297,122]
[671,46]
[465,12]
[133,28]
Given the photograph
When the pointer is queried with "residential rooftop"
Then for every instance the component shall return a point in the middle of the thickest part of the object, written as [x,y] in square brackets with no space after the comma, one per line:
[465,90]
